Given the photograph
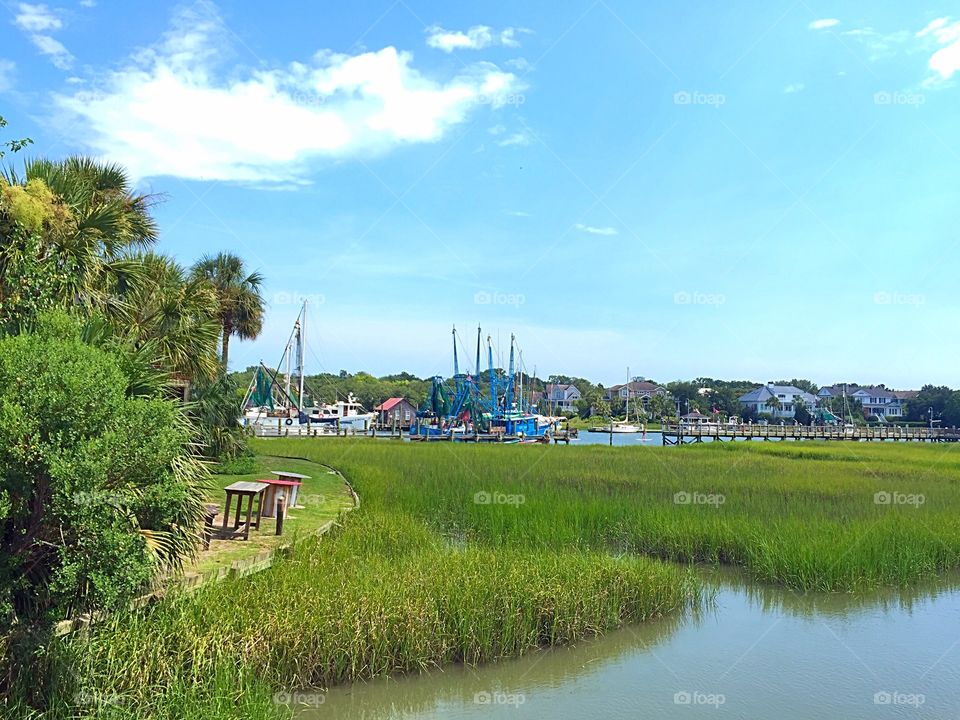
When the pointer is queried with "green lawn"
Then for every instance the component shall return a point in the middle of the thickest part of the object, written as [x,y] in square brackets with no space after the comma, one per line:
[322,498]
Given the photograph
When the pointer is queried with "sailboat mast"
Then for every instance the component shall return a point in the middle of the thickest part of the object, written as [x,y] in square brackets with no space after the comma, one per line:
[493,383]
[288,354]
[303,342]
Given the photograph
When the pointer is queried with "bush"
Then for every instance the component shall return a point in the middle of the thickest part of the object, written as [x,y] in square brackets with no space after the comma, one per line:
[99,490]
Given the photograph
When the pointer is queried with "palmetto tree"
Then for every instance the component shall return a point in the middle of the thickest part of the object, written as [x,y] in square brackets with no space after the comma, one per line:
[102,219]
[175,313]
[239,298]
[773,403]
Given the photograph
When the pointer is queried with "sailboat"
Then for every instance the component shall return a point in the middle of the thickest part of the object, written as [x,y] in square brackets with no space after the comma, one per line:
[271,402]
[621,426]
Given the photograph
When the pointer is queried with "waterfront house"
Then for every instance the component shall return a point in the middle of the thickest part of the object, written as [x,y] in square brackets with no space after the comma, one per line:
[778,401]
[395,412]
[561,396]
[876,400]
[641,390]
[697,418]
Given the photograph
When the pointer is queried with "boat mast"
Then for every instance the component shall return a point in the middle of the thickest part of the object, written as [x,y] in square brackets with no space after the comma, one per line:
[478,354]
[302,343]
[493,383]
[508,401]
[288,354]
[456,363]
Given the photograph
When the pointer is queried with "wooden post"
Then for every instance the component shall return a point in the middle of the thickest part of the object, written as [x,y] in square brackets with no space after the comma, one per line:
[281,511]
[246,527]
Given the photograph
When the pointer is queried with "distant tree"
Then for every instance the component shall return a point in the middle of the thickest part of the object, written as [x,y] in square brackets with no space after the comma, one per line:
[801,413]
[773,402]
[239,297]
[661,406]
[930,396]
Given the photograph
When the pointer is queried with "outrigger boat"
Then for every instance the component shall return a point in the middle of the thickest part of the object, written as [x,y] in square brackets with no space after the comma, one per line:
[467,411]
[270,402]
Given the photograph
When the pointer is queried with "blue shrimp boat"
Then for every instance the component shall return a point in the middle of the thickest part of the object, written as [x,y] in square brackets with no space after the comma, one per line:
[467,411]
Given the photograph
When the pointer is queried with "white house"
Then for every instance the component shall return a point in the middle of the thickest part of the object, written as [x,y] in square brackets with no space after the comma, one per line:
[876,400]
[761,400]
[641,390]
[560,396]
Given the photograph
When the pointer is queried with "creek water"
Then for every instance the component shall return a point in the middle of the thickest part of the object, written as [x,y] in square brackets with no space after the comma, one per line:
[755,652]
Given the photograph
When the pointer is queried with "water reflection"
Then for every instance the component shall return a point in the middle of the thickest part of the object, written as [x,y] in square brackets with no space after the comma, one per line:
[757,651]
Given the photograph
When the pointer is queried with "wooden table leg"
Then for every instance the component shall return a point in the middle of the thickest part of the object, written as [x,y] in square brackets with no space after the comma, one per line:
[236,521]
[259,510]
[246,528]
[226,510]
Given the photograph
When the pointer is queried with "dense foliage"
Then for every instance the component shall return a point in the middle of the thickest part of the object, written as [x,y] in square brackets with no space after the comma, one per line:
[98,487]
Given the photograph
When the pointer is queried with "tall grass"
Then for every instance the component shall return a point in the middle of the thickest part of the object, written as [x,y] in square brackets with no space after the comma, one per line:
[426,573]
[802,514]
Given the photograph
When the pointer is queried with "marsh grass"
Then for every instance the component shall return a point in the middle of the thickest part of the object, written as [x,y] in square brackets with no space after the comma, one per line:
[424,575]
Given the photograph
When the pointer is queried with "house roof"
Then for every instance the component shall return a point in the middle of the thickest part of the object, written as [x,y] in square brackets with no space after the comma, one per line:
[764,392]
[389,404]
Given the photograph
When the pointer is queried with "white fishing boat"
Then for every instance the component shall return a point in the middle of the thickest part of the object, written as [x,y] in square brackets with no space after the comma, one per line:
[281,400]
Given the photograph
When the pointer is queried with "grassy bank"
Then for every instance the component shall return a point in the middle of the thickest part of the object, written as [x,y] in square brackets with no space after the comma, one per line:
[467,554]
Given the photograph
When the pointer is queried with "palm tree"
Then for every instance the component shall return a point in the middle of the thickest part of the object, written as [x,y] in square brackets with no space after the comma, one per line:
[774,404]
[241,304]
[93,218]
[176,314]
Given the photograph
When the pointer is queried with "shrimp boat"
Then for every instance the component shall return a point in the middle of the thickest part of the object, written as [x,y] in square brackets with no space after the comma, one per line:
[474,411]
[275,401]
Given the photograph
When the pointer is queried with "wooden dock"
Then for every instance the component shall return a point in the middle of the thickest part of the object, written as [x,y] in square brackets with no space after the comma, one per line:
[685,434]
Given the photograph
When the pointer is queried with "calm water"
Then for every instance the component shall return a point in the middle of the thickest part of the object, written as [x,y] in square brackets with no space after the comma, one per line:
[759,652]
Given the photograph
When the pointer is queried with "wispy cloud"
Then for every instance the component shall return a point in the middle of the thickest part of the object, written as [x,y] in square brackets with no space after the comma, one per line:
[169,110]
[36,18]
[517,138]
[476,38]
[7,68]
[519,213]
[596,230]
[823,23]
[39,21]
[793,88]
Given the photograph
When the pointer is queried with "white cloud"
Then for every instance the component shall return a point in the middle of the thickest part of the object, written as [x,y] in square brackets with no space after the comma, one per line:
[517,138]
[476,38]
[596,230]
[7,69]
[169,111]
[54,49]
[794,88]
[38,21]
[88,3]
[823,23]
[36,18]
[519,213]
[945,61]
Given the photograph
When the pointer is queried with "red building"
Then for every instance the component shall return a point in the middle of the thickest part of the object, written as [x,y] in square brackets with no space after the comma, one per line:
[395,412]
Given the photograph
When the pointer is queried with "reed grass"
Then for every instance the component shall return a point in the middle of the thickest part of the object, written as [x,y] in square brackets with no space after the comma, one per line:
[424,575]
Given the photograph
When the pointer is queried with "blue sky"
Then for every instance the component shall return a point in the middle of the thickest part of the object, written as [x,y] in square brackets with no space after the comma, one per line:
[743,190]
